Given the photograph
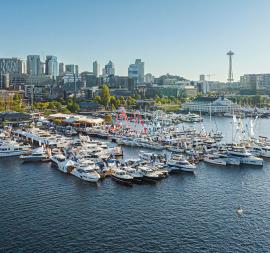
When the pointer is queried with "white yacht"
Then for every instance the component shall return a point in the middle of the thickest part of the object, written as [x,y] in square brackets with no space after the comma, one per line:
[244,156]
[179,164]
[62,163]
[122,176]
[137,175]
[263,151]
[149,174]
[212,159]
[85,171]
[191,117]
[37,155]
[13,149]
[229,159]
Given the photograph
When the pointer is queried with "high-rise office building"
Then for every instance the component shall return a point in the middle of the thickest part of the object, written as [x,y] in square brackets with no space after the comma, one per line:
[70,68]
[96,68]
[42,68]
[76,69]
[136,71]
[34,65]
[109,69]
[10,67]
[51,66]
[21,66]
[61,69]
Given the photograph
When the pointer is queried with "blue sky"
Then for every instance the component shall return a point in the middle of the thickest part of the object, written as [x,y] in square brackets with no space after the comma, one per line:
[185,37]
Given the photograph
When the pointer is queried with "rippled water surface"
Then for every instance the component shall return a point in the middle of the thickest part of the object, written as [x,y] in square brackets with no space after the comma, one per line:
[45,210]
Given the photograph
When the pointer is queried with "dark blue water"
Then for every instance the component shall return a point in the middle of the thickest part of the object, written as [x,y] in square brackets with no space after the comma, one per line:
[44,210]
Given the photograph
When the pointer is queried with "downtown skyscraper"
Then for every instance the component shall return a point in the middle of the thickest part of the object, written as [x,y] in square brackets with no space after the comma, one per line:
[51,66]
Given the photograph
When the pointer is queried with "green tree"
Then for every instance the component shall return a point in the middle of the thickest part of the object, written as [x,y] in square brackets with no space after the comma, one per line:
[73,106]
[65,110]
[131,101]
[118,103]
[97,99]
[105,96]
[113,101]
[122,101]
[108,118]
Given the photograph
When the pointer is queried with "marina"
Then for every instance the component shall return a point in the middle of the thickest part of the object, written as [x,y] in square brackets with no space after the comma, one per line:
[213,192]
[92,153]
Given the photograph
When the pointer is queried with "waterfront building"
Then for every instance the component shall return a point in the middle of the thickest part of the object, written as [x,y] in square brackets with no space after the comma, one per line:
[34,65]
[96,68]
[15,118]
[211,104]
[51,66]
[109,69]
[61,69]
[77,120]
[136,71]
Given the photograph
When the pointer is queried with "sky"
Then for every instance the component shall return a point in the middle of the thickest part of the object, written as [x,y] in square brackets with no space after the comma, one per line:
[183,37]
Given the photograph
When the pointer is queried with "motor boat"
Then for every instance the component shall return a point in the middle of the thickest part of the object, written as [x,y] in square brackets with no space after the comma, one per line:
[13,149]
[213,159]
[137,175]
[179,163]
[85,171]
[191,117]
[37,155]
[244,156]
[228,159]
[122,176]
[149,174]
[263,151]
[62,163]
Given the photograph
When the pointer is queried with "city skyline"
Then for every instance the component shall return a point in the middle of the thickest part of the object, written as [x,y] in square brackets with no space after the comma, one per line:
[187,38]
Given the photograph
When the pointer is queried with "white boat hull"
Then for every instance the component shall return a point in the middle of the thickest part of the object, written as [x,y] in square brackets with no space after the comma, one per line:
[215,162]
[14,153]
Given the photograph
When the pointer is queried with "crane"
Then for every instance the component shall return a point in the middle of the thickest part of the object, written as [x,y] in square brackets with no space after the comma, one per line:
[209,76]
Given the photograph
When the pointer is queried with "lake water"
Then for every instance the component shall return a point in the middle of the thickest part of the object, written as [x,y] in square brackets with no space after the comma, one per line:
[45,210]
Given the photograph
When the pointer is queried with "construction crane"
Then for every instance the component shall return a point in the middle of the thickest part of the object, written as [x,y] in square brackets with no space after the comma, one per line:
[209,76]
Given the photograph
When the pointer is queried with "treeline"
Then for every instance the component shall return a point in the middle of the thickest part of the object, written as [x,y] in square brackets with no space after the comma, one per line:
[63,106]
[258,101]
[170,100]
[111,102]
[12,103]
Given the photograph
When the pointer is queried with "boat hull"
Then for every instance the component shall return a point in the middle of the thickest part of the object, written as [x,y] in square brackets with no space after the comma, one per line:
[127,182]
